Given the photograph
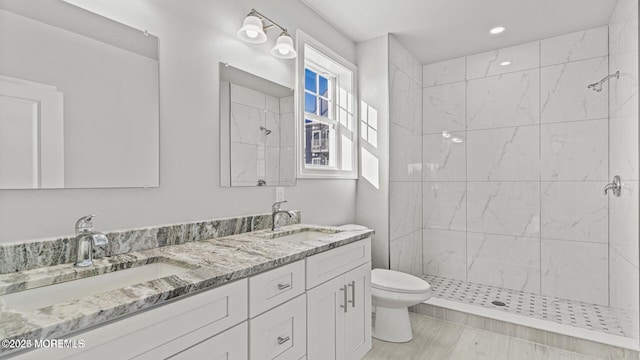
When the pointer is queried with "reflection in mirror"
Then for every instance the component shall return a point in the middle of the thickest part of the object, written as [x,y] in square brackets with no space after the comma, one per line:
[79,103]
[256,130]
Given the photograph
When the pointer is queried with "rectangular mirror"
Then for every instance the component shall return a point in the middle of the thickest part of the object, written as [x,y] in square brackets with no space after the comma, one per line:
[256,130]
[79,99]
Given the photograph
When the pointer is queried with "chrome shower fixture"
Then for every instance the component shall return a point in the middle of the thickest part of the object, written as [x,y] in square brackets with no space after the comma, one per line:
[597,87]
[266,131]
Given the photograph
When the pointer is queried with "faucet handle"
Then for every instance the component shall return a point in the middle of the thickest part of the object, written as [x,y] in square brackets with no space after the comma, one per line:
[84,224]
[276,205]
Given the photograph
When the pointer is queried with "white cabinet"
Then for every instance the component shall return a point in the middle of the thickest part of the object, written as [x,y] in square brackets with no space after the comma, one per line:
[339,310]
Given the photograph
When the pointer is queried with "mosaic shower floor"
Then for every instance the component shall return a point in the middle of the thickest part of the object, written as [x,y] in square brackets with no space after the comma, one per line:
[561,311]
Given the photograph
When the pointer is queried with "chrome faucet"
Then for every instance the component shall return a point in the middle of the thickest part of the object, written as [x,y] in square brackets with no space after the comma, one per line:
[275,210]
[86,239]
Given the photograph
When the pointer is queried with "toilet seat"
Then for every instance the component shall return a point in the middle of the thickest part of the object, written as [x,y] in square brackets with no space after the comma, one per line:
[398,282]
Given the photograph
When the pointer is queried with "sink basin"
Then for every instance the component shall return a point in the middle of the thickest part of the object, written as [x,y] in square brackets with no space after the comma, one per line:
[71,290]
[302,236]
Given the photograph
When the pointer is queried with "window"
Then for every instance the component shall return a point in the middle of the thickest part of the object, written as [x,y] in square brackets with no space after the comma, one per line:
[327,138]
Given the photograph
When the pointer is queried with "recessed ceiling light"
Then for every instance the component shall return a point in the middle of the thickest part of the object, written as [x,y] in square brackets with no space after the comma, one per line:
[497,30]
[505,63]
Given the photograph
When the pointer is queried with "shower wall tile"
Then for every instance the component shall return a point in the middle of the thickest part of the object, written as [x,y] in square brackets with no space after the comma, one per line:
[507,208]
[272,164]
[575,270]
[405,94]
[504,154]
[445,205]
[623,227]
[624,285]
[286,104]
[406,253]
[522,57]
[272,104]
[405,160]
[404,60]
[624,88]
[444,108]
[444,158]
[243,164]
[575,46]
[245,124]
[576,151]
[271,122]
[444,72]
[574,211]
[510,262]
[444,253]
[564,92]
[504,100]
[248,97]
[405,208]
[287,130]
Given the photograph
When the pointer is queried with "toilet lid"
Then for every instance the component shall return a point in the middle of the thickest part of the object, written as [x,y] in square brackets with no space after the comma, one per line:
[396,281]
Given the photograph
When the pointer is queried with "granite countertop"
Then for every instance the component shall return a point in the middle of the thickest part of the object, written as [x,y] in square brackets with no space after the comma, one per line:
[208,263]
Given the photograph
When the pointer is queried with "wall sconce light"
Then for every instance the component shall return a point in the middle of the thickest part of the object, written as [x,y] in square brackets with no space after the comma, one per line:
[254,30]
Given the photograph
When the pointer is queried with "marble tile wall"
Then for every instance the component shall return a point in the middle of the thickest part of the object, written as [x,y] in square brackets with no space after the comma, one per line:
[405,159]
[623,132]
[255,154]
[515,158]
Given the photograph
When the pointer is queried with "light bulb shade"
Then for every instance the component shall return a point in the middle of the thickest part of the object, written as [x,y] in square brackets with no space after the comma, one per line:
[284,47]
[252,30]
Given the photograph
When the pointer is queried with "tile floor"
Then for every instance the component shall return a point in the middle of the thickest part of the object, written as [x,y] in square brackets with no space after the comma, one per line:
[438,339]
[561,311]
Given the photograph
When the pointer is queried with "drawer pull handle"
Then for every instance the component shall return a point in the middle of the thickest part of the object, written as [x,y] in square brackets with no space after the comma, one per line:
[344,289]
[353,294]
[282,340]
[283,286]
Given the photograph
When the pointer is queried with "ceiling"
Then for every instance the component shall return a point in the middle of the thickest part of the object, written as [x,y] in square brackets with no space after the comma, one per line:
[435,30]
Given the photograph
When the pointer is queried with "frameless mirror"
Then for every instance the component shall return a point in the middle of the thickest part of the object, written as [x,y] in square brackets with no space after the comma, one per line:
[79,100]
[256,130]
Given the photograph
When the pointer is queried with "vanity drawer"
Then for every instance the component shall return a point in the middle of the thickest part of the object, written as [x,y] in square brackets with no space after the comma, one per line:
[269,289]
[329,264]
[280,333]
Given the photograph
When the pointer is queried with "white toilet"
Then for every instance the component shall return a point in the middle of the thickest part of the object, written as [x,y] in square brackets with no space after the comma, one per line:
[392,292]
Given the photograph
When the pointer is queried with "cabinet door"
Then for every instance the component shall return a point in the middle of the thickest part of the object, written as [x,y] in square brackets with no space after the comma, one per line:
[230,345]
[325,320]
[357,319]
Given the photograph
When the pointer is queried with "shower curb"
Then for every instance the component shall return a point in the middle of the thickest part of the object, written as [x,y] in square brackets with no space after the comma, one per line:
[528,333]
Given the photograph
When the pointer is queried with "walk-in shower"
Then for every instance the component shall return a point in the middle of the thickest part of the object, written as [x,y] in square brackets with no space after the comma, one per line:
[514,215]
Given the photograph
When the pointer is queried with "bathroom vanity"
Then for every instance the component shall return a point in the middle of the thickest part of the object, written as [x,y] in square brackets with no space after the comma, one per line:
[302,292]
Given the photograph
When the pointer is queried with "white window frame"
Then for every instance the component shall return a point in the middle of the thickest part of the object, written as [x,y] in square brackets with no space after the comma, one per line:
[339,170]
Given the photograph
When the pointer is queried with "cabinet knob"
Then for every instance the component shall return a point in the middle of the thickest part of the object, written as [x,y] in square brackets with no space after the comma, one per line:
[346,300]
[353,293]
[282,340]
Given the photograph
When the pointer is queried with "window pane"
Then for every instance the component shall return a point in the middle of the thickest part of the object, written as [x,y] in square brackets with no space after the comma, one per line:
[310,81]
[324,86]
[317,143]
[324,107]
[309,103]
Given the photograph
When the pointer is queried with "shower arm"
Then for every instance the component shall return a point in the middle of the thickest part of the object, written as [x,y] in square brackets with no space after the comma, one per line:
[598,86]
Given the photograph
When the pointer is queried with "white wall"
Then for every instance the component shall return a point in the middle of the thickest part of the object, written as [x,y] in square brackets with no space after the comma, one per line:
[195,36]
[373,186]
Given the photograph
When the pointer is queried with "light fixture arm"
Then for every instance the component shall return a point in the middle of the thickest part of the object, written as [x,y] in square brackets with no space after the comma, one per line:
[270,23]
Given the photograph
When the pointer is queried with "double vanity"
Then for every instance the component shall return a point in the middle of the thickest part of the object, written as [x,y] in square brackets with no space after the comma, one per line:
[300,292]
